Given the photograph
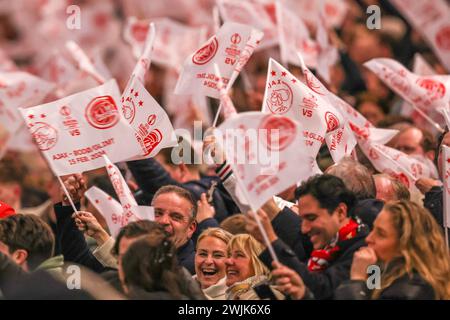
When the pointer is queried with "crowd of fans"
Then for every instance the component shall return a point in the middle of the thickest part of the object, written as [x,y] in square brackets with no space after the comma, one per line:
[204,242]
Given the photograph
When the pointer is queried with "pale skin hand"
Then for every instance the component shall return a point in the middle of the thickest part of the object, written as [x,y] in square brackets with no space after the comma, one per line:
[204,209]
[87,223]
[271,208]
[210,146]
[425,184]
[76,185]
[252,227]
[362,259]
[288,281]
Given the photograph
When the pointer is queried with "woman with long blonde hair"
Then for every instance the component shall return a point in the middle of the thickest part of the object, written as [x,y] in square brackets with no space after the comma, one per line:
[409,246]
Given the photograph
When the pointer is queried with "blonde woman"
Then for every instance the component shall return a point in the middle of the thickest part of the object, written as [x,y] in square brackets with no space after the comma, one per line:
[408,244]
[244,270]
[210,256]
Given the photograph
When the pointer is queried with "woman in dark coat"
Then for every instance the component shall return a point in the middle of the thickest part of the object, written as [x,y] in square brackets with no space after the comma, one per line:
[408,245]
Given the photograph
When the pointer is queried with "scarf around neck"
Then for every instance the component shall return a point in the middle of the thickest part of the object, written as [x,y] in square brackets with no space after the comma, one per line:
[321,258]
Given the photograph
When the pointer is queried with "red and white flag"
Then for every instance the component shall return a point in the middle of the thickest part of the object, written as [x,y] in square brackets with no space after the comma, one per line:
[228,108]
[405,168]
[83,62]
[320,120]
[126,198]
[173,43]
[108,207]
[432,20]
[309,11]
[131,210]
[75,132]
[294,37]
[356,121]
[230,49]
[264,151]
[253,14]
[112,211]
[328,54]
[420,67]
[19,89]
[145,59]
[428,93]
[152,128]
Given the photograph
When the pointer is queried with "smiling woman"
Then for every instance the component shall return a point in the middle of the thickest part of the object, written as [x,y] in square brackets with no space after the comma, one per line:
[210,262]
[244,270]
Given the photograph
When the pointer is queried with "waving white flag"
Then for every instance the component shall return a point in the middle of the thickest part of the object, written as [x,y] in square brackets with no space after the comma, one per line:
[356,121]
[230,49]
[309,11]
[321,121]
[428,93]
[108,207]
[151,124]
[74,132]
[173,42]
[19,89]
[266,153]
[294,37]
[405,168]
[112,211]
[432,20]
[253,14]
[131,210]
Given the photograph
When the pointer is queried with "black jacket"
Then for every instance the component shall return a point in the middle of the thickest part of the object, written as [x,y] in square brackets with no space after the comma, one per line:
[404,288]
[287,226]
[321,283]
[72,242]
[367,210]
[150,176]
[186,256]
[433,201]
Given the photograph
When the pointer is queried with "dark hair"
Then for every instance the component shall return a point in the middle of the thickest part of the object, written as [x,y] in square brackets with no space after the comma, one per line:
[181,192]
[183,146]
[151,264]
[29,233]
[134,230]
[12,169]
[328,190]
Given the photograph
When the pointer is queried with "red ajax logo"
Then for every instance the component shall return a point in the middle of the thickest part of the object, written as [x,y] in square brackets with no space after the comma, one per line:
[45,135]
[139,31]
[286,132]
[236,38]
[151,141]
[443,38]
[102,113]
[206,53]
[332,121]
[281,97]
[435,89]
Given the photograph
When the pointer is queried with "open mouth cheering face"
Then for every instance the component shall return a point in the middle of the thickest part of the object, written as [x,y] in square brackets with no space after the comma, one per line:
[210,261]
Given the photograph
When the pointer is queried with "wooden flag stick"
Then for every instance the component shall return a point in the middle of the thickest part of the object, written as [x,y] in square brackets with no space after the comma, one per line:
[258,221]
[67,194]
